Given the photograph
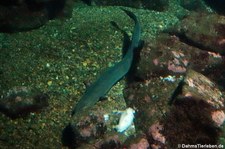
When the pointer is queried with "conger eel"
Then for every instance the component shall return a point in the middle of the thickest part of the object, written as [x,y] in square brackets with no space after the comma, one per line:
[113,74]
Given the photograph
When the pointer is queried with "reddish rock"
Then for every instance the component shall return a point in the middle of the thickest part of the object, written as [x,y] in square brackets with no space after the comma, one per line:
[167,55]
[96,127]
[199,86]
[138,142]
[195,116]
[218,117]
[20,101]
[109,141]
[155,136]
[205,31]
[80,132]
[197,113]
[189,121]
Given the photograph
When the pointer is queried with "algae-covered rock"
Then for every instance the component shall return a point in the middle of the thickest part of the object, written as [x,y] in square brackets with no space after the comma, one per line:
[95,127]
[199,86]
[159,5]
[216,5]
[24,15]
[139,141]
[197,114]
[205,31]
[168,55]
[80,133]
[194,5]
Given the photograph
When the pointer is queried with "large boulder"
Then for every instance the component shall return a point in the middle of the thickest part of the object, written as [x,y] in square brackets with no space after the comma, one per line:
[158,5]
[23,15]
[204,31]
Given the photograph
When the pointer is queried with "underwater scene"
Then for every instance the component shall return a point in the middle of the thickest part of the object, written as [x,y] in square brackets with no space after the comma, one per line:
[112,74]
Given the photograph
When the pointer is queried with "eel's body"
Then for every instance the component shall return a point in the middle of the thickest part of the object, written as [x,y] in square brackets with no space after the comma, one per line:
[112,75]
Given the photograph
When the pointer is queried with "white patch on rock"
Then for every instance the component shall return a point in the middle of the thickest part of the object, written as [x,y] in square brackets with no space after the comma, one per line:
[126,120]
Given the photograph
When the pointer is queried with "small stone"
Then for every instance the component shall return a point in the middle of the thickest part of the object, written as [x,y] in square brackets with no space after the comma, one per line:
[49,83]
[47,65]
